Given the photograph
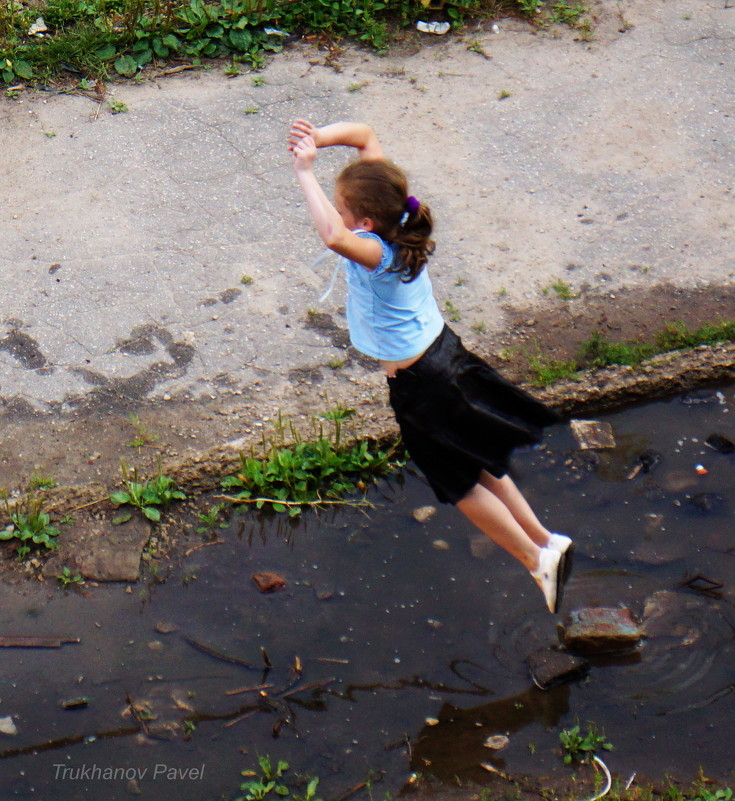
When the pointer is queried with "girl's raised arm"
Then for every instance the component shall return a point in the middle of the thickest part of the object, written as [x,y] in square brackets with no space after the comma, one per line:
[349,134]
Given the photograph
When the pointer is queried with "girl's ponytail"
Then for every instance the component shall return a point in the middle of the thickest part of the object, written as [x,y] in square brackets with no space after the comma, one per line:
[413,237]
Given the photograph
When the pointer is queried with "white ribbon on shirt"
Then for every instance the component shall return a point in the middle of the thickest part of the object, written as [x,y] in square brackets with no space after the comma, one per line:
[322,258]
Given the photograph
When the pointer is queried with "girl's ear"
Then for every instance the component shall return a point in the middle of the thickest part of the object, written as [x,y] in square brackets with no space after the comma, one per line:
[366,224]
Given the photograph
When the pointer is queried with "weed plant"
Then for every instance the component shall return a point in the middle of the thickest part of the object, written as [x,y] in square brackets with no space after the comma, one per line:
[30,525]
[291,473]
[271,784]
[147,496]
[580,746]
[99,38]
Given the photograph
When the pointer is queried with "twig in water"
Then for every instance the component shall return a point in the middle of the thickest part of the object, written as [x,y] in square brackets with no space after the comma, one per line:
[237,720]
[314,685]
[233,660]
[257,687]
[202,545]
[320,502]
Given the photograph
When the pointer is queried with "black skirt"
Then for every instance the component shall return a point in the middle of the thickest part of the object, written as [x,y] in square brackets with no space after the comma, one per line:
[458,417]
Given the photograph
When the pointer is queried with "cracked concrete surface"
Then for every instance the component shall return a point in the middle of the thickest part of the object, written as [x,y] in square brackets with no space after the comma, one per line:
[126,238]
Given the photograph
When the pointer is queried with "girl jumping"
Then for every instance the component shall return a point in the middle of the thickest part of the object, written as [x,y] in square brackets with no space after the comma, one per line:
[459,419]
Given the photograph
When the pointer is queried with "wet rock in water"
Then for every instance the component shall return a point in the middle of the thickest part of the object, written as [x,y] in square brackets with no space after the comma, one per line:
[646,462]
[601,630]
[720,443]
[441,545]
[268,582]
[423,513]
[75,703]
[707,502]
[673,614]
[7,726]
[166,628]
[551,667]
[592,435]
[324,592]
[496,742]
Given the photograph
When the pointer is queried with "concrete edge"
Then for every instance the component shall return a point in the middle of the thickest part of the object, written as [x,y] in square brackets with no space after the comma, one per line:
[589,392]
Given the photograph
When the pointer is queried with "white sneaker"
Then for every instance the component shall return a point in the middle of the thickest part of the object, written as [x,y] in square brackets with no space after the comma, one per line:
[559,542]
[548,577]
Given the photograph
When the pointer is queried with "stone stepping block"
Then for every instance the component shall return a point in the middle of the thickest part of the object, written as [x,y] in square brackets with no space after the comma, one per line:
[601,630]
[551,667]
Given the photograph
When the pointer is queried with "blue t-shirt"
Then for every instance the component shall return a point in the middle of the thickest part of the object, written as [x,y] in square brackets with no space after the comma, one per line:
[388,318]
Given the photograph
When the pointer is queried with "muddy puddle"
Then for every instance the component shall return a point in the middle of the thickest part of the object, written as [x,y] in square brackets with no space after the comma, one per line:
[385,623]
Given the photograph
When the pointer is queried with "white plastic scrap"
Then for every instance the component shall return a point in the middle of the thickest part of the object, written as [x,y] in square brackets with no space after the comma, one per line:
[323,257]
[608,780]
[433,27]
[38,28]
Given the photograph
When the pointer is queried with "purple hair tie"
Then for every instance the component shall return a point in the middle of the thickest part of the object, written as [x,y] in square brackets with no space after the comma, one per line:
[411,207]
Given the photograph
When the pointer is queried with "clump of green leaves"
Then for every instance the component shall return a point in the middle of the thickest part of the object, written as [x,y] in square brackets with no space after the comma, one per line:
[720,794]
[561,289]
[547,370]
[30,525]
[39,481]
[142,435]
[452,311]
[117,106]
[579,746]
[147,496]
[567,13]
[271,783]
[291,473]
[66,578]
[210,520]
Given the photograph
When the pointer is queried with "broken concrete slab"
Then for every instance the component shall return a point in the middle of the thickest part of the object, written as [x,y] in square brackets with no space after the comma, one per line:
[551,667]
[592,434]
[100,551]
[601,630]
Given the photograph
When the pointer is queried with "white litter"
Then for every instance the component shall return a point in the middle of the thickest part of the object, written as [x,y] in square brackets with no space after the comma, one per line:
[38,28]
[433,27]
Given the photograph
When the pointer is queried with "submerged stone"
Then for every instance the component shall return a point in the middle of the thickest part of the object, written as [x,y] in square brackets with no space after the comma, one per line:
[601,630]
[551,667]
[7,726]
[592,435]
[423,513]
[707,501]
[268,582]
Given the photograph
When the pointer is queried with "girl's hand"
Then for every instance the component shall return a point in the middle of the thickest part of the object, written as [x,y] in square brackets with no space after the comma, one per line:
[304,153]
[301,129]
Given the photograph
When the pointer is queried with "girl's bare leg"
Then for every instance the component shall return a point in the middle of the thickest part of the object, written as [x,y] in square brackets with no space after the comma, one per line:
[496,520]
[510,496]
